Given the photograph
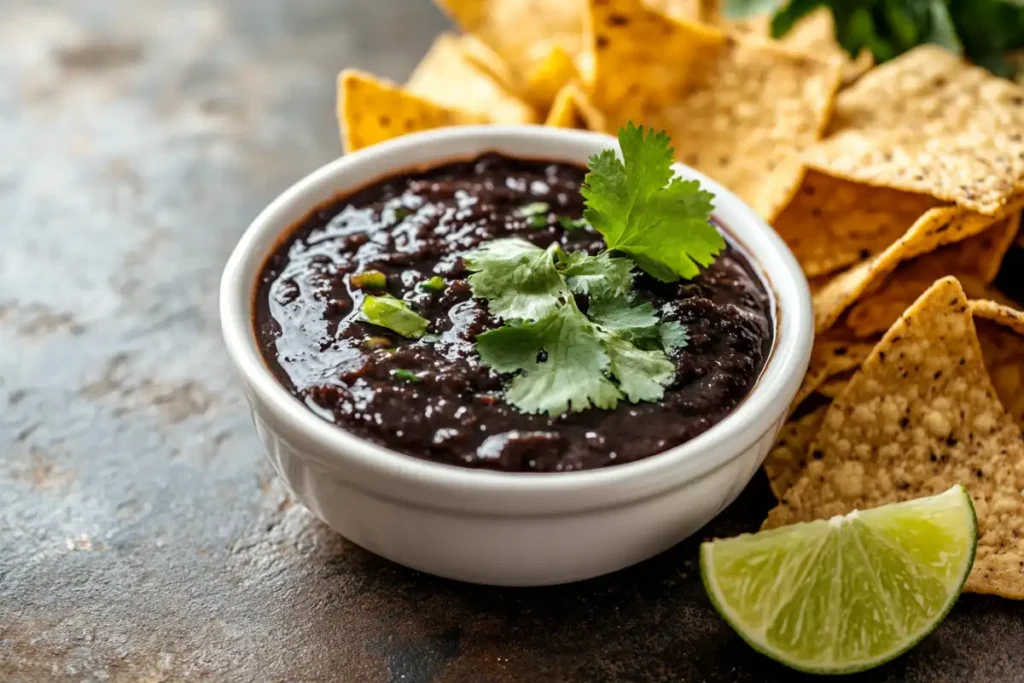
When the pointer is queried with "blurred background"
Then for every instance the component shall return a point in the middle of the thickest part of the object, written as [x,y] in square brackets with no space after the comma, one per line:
[142,535]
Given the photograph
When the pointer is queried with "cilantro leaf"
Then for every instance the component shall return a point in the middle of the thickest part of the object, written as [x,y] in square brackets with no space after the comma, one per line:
[673,335]
[394,314]
[518,279]
[562,363]
[642,374]
[622,316]
[639,324]
[599,276]
[570,224]
[634,339]
[642,210]
[563,359]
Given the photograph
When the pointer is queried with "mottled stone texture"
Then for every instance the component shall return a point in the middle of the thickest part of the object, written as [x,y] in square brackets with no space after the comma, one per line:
[142,536]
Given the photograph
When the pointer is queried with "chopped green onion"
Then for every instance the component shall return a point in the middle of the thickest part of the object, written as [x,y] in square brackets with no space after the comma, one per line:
[402,212]
[369,279]
[393,314]
[533,209]
[406,375]
[376,342]
[538,221]
[434,284]
[572,224]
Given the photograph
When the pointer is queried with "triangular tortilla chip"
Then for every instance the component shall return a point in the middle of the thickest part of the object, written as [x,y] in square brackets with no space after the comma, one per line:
[740,110]
[830,356]
[919,417]
[523,32]
[937,227]
[787,459]
[706,11]
[373,110]
[572,108]
[1001,331]
[999,313]
[446,75]
[490,62]
[833,223]
[814,34]
[975,262]
[834,386]
[928,122]
[549,75]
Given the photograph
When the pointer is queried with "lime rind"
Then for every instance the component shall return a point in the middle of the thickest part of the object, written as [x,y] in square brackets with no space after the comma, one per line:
[801,539]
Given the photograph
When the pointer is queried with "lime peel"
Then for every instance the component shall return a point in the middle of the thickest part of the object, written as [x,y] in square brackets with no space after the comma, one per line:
[848,593]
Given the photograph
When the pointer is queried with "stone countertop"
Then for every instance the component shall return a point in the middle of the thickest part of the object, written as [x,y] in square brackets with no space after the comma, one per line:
[142,534]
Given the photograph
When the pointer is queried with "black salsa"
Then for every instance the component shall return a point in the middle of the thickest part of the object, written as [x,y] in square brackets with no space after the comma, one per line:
[432,398]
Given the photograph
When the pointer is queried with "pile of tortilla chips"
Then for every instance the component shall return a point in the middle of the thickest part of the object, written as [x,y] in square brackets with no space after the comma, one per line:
[898,187]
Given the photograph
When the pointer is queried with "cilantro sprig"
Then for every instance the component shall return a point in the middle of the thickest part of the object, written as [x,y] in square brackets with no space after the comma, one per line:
[565,358]
[643,210]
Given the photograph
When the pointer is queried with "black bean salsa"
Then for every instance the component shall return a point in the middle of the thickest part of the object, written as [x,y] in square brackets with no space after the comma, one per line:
[432,398]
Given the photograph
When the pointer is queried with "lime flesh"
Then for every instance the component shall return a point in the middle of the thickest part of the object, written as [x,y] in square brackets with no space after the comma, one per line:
[848,593]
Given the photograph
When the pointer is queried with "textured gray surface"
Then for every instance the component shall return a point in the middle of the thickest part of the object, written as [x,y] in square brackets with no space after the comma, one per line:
[142,536]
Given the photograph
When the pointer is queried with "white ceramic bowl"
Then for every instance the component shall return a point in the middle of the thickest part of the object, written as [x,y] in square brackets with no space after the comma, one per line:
[509,529]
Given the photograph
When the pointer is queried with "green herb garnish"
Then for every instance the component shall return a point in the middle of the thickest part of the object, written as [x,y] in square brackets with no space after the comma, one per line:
[984,31]
[642,210]
[393,314]
[533,209]
[518,279]
[572,224]
[369,279]
[406,375]
[535,213]
[538,221]
[434,284]
[565,358]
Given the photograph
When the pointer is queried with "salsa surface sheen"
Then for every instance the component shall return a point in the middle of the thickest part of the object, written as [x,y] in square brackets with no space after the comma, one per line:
[415,226]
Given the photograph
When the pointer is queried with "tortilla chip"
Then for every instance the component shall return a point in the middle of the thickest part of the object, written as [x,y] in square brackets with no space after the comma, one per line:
[969,261]
[937,227]
[816,34]
[1001,331]
[831,388]
[833,223]
[448,77]
[709,91]
[928,122]
[920,416]
[813,34]
[787,459]
[572,108]
[830,356]
[706,11]
[999,313]
[490,62]
[546,79]
[991,259]
[522,32]
[373,110]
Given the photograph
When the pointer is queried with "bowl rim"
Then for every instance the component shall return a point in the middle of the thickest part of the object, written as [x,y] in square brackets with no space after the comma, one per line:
[396,475]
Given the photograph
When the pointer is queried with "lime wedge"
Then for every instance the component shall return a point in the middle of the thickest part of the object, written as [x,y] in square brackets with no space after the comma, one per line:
[848,593]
